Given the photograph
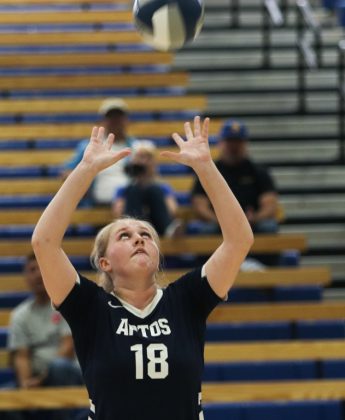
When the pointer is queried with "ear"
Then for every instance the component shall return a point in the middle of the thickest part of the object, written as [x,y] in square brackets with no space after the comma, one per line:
[104,264]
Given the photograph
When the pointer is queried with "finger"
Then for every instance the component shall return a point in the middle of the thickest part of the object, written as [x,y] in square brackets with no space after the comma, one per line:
[110,141]
[197,130]
[94,133]
[178,139]
[205,128]
[170,155]
[100,135]
[188,131]
[121,154]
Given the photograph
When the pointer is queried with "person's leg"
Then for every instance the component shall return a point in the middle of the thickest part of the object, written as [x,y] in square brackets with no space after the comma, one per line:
[159,214]
[63,372]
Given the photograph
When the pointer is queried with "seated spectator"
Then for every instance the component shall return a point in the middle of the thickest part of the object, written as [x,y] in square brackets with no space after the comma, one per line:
[252,184]
[113,114]
[145,197]
[40,341]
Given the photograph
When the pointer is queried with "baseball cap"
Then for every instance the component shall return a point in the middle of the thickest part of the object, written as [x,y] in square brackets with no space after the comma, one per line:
[112,104]
[233,130]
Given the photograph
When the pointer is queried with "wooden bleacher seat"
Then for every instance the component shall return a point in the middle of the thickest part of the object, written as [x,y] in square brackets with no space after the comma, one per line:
[278,312]
[51,185]
[70,81]
[80,59]
[91,105]
[271,277]
[65,38]
[44,2]
[72,397]
[64,17]
[97,217]
[147,129]
[264,351]
[199,245]
[57,157]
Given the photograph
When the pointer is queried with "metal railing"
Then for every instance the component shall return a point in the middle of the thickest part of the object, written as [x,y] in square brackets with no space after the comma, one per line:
[309,50]
[341,100]
[234,13]
[271,16]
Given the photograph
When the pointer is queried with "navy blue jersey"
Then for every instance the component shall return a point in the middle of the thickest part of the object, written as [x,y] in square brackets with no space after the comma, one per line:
[142,365]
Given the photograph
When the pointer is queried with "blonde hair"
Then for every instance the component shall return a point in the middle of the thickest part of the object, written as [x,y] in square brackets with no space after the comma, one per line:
[101,244]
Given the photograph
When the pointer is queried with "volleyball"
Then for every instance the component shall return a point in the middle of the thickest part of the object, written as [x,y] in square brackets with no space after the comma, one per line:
[168,24]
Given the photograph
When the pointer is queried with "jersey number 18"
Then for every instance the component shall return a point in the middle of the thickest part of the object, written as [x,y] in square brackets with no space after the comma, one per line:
[156,357]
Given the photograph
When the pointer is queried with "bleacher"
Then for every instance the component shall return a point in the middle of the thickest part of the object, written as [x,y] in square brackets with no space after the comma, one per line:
[275,349]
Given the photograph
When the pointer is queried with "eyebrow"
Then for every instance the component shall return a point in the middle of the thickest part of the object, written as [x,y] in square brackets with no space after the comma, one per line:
[127,227]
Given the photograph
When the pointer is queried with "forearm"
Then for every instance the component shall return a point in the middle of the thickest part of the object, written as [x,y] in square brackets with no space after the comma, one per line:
[62,206]
[232,221]
[22,367]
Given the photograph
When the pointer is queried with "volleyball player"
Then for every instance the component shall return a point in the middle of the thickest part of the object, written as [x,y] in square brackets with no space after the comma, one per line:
[140,347]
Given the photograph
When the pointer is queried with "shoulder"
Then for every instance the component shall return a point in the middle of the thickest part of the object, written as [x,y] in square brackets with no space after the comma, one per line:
[22,311]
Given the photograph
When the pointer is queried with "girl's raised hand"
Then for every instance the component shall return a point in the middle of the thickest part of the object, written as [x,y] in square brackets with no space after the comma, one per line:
[98,152]
[195,149]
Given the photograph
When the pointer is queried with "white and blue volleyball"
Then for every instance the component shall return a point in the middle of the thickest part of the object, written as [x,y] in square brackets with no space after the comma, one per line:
[168,24]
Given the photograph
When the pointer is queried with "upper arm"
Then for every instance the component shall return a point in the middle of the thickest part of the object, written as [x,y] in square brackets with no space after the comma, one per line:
[58,273]
[222,268]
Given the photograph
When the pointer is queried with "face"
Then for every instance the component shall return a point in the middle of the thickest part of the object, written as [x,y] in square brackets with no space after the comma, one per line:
[116,124]
[145,158]
[33,277]
[233,151]
[131,251]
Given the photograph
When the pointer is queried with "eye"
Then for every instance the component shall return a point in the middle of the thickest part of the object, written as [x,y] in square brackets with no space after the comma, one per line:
[124,235]
[145,234]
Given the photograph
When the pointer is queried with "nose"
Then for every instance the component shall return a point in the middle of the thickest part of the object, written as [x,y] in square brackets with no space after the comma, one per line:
[138,239]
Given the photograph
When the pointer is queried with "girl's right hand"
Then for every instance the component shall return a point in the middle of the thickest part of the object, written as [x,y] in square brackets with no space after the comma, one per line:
[98,153]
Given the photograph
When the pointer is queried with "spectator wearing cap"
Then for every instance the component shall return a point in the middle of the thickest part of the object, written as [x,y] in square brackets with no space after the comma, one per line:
[113,113]
[145,197]
[251,183]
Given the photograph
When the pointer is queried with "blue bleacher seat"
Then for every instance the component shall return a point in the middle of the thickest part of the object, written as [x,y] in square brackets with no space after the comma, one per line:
[332,369]
[12,299]
[7,377]
[285,410]
[324,329]
[300,293]
[260,371]
[249,331]
[266,371]
[3,337]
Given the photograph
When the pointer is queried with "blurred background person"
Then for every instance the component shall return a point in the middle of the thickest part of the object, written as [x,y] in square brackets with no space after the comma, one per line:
[145,196]
[251,183]
[114,118]
[40,341]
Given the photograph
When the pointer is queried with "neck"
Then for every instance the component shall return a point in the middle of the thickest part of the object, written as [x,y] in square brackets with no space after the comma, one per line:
[138,298]
[42,299]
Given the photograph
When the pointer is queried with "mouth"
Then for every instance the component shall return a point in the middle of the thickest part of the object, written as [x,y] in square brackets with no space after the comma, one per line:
[139,251]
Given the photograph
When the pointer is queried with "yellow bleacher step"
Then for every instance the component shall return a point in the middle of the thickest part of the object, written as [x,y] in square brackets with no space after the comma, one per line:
[70,81]
[91,105]
[86,59]
[64,17]
[142,129]
[257,312]
[72,397]
[270,277]
[202,245]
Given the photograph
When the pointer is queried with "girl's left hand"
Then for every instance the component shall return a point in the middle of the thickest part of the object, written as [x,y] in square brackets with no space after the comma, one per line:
[195,149]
